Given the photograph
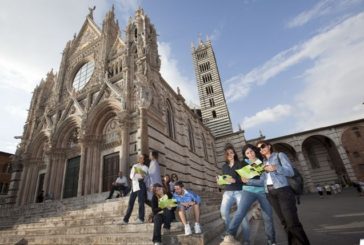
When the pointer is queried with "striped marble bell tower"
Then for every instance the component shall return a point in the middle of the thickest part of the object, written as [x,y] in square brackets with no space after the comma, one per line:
[215,114]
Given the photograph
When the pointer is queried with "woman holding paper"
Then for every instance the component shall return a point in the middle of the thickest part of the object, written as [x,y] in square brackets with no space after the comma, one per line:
[252,193]
[137,174]
[162,214]
[280,195]
[232,191]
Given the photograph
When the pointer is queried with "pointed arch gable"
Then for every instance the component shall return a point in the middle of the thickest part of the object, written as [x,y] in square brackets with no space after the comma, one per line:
[101,114]
[61,135]
[36,147]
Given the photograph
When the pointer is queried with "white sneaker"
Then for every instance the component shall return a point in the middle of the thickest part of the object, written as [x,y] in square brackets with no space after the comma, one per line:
[121,222]
[139,221]
[157,243]
[230,239]
[198,228]
[188,230]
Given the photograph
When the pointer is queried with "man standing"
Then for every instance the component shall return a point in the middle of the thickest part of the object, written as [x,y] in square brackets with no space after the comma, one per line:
[120,184]
[154,175]
[187,200]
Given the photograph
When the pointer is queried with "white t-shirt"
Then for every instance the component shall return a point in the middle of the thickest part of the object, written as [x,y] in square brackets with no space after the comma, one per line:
[135,177]
[122,180]
[269,178]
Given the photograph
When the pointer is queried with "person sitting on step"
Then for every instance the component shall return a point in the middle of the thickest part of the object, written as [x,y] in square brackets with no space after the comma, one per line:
[187,200]
[160,216]
[120,184]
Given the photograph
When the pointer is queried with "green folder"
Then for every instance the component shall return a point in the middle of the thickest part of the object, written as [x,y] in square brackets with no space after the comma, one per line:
[250,171]
[139,171]
[164,202]
[222,179]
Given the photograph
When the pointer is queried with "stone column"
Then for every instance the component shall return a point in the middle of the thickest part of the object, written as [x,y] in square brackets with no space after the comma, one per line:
[15,183]
[306,172]
[124,153]
[346,162]
[32,182]
[47,162]
[82,166]
[143,132]
[23,185]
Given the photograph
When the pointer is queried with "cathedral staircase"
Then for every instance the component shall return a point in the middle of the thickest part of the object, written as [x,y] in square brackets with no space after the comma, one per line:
[91,220]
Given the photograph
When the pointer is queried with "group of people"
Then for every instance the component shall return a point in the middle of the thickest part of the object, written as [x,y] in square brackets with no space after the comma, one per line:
[328,189]
[148,187]
[270,188]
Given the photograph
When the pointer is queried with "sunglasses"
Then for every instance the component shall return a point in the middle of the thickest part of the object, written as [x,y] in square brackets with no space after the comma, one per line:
[262,146]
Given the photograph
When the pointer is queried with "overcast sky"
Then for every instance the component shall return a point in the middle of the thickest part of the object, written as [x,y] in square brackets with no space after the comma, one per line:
[285,65]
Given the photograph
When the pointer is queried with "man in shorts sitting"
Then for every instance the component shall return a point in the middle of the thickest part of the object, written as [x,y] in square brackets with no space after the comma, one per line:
[187,200]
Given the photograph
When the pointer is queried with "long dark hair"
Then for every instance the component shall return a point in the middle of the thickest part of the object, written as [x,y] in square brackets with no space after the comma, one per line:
[146,160]
[230,147]
[255,149]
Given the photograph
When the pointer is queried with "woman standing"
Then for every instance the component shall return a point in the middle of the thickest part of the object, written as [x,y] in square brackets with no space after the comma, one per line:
[280,195]
[253,193]
[160,216]
[232,192]
[138,173]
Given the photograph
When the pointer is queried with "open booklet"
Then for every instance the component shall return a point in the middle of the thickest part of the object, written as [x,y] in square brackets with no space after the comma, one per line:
[139,171]
[224,179]
[165,202]
[253,169]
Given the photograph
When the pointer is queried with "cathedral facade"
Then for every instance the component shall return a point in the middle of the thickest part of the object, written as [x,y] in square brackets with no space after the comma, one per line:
[107,104]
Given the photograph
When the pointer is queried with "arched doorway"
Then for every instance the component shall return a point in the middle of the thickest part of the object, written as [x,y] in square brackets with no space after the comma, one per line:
[324,161]
[353,143]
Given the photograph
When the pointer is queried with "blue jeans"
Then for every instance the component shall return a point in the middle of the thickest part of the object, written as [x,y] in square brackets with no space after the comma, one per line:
[141,194]
[228,200]
[248,198]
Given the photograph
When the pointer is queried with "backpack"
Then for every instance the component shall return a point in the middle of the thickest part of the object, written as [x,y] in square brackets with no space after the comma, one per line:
[296,181]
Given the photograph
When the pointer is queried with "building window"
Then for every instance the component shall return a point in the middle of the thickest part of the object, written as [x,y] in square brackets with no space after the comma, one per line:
[212,102]
[190,137]
[214,114]
[202,55]
[207,78]
[83,75]
[209,90]
[356,154]
[170,120]
[356,132]
[204,67]
[204,145]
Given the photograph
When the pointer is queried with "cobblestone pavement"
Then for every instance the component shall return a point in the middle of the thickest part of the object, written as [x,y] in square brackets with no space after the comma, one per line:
[333,220]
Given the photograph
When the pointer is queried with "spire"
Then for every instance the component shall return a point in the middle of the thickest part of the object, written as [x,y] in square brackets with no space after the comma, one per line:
[199,39]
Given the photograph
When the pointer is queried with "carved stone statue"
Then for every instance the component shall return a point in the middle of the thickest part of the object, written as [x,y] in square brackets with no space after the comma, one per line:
[91,13]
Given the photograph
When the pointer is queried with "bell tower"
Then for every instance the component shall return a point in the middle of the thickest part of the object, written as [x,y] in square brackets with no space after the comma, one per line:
[215,114]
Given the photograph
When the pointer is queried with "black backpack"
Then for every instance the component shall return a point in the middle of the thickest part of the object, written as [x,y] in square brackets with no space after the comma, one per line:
[296,181]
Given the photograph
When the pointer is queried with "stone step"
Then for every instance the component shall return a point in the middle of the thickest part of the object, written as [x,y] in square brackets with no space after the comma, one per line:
[96,226]
[88,220]
[102,217]
[135,239]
